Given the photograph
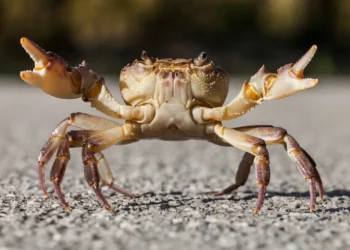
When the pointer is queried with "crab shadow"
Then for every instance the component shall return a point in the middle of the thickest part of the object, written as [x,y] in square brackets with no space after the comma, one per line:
[182,199]
[338,194]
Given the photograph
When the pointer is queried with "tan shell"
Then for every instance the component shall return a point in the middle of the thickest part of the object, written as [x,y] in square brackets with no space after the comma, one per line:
[208,83]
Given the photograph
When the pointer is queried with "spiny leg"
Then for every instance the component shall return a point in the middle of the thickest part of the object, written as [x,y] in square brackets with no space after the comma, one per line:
[95,144]
[107,177]
[59,168]
[76,138]
[302,160]
[92,176]
[72,139]
[242,174]
[255,146]
[79,120]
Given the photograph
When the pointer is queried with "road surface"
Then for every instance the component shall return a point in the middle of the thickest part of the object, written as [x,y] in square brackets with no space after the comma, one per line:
[176,178]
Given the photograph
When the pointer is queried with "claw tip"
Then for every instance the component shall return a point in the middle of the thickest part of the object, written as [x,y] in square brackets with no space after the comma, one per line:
[110,208]
[23,40]
[68,208]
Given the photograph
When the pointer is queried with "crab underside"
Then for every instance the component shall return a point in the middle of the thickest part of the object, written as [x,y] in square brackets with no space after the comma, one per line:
[168,99]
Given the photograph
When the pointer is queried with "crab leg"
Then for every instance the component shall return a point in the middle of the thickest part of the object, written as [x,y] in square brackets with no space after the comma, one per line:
[242,174]
[79,120]
[107,177]
[255,146]
[92,146]
[76,138]
[58,169]
[302,160]
[263,86]
[92,176]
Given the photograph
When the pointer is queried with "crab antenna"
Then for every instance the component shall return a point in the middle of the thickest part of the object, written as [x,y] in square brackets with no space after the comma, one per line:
[300,65]
[200,59]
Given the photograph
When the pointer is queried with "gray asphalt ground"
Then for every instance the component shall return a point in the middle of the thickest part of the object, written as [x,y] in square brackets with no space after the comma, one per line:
[176,178]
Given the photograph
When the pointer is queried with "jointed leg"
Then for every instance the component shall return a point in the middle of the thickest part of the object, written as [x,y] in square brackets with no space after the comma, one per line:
[75,138]
[91,147]
[254,146]
[242,174]
[79,120]
[303,161]
[107,177]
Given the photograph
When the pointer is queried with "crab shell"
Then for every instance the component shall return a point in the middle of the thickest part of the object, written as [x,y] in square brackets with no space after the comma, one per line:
[208,83]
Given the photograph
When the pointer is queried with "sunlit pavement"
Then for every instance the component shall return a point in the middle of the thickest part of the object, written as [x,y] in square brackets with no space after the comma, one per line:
[176,178]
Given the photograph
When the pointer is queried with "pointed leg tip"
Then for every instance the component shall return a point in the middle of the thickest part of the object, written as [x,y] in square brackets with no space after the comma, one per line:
[68,208]
[47,196]
[137,196]
[110,208]
[221,193]
[256,211]
[321,199]
[312,210]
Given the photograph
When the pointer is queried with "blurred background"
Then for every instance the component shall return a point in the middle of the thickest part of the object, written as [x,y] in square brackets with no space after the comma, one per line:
[239,35]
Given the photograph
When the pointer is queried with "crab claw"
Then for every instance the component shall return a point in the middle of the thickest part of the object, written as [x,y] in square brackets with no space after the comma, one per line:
[287,81]
[51,73]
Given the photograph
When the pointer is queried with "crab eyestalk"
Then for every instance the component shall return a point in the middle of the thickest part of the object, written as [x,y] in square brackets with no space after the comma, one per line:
[51,73]
[144,56]
[200,60]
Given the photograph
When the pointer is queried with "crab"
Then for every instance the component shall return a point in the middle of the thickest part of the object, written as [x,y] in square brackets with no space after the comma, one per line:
[166,99]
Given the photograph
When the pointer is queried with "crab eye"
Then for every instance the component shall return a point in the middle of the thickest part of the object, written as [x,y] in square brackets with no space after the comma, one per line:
[51,54]
[200,60]
[146,58]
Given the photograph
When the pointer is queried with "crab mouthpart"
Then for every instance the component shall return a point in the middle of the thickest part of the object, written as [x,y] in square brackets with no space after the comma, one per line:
[38,55]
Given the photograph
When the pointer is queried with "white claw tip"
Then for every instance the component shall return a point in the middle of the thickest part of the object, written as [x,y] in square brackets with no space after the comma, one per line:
[300,65]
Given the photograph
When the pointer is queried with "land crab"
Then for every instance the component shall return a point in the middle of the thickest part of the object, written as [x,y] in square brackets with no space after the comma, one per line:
[169,99]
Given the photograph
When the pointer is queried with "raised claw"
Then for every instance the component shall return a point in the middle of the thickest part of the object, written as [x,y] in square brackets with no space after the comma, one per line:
[52,74]
[287,81]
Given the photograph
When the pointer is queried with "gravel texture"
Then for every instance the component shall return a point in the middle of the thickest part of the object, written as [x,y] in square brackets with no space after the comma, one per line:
[176,178]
